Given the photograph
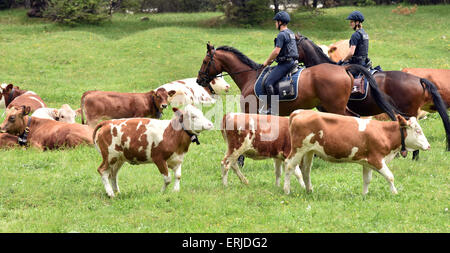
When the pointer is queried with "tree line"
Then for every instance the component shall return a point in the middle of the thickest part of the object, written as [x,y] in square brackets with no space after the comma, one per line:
[236,11]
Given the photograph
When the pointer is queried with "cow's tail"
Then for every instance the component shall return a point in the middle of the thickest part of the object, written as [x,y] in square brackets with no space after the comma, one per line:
[82,108]
[378,96]
[440,106]
[99,125]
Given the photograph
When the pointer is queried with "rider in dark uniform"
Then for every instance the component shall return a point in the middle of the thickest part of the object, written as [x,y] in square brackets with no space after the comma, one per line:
[285,54]
[359,42]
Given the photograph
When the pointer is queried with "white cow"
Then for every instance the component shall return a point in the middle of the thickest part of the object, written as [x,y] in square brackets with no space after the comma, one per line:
[189,92]
[63,114]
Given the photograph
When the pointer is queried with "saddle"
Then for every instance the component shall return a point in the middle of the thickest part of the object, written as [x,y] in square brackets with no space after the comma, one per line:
[360,85]
[285,87]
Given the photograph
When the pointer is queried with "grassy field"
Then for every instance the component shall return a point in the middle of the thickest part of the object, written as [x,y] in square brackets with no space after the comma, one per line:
[61,191]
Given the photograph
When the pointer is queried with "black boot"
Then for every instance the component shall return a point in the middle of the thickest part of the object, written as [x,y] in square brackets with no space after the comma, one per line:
[269,92]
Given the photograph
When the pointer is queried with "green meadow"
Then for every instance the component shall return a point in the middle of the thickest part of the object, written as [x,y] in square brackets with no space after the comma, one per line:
[61,191]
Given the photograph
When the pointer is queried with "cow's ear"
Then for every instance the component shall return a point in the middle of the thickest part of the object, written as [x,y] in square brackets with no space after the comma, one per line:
[78,112]
[26,110]
[171,93]
[402,121]
[9,87]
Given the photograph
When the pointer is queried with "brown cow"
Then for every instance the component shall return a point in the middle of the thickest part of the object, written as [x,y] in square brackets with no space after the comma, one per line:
[104,105]
[440,77]
[338,138]
[44,133]
[258,137]
[13,96]
[143,140]
[337,51]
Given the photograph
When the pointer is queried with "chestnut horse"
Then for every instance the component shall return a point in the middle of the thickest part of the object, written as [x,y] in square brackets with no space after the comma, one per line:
[326,85]
[407,93]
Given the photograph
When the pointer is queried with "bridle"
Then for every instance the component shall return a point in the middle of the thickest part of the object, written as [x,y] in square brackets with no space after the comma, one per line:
[205,79]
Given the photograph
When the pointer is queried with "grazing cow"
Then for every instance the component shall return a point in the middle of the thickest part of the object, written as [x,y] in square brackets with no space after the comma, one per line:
[8,140]
[189,92]
[44,133]
[144,140]
[338,138]
[63,114]
[337,51]
[257,137]
[104,105]
[13,96]
[440,77]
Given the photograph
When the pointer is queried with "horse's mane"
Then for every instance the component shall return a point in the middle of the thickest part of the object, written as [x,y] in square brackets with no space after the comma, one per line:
[316,48]
[244,59]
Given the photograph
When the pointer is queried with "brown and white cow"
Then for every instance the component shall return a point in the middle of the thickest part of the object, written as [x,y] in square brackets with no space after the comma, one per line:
[257,137]
[144,140]
[14,96]
[440,77]
[44,133]
[338,138]
[104,105]
[189,92]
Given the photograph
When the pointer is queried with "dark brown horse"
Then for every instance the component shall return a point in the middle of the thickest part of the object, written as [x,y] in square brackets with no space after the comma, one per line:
[408,93]
[326,85]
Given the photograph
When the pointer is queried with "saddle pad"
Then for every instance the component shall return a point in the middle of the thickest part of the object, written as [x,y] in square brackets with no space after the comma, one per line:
[361,96]
[259,89]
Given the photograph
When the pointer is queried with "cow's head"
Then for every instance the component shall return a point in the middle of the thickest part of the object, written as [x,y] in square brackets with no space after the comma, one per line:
[66,114]
[415,139]
[160,98]
[5,91]
[193,119]
[219,85]
[14,122]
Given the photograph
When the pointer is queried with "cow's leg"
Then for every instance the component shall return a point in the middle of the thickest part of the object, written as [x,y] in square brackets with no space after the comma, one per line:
[225,169]
[386,172]
[278,170]
[239,173]
[177,174]
[299,176]
[163,169]
[291,164]
[367,177]
[114,172]
[105,171]
[306,170]
[228,161]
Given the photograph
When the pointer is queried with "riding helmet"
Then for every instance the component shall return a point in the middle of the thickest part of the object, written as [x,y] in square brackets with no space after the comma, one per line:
[356,15]
[282,16]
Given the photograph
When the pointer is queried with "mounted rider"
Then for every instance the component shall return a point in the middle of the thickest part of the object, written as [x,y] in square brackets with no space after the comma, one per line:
[285,54]
[359,42]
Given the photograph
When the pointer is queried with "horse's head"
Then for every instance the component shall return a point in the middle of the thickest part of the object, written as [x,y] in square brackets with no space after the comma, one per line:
[301,53]
[209,69]
[309,53]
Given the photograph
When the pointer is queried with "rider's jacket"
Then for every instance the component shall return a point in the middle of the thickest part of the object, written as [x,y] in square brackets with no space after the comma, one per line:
[286,41]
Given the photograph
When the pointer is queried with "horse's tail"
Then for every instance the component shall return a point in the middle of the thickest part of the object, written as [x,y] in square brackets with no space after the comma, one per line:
[379,97]
[440,106]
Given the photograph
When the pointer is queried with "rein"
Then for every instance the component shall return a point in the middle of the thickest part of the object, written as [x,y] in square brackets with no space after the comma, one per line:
[207,79]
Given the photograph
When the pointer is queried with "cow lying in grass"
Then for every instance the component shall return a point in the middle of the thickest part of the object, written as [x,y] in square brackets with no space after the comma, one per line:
[257,137]
[63,114]
[104,105]
[44,133]
[144,140]
[189,92]
[13,96]
[337,138]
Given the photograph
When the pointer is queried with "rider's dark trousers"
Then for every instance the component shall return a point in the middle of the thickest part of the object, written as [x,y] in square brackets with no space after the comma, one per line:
[279,71]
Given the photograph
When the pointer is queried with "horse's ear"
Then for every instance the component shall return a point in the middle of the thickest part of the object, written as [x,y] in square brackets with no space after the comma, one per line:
[209,47]
[297,36]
